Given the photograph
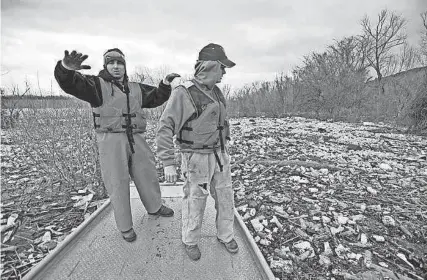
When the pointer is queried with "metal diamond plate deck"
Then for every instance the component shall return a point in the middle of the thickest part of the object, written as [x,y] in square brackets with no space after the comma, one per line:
[101,253]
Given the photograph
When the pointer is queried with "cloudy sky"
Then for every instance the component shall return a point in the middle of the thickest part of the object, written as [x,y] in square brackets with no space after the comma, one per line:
[263,37]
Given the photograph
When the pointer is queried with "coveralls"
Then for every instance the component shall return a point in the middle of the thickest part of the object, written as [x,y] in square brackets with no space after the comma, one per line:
[197,116]
[120,124]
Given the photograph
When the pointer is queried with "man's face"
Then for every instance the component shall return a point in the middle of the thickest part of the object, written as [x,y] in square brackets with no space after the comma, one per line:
[116,69]
[222,73]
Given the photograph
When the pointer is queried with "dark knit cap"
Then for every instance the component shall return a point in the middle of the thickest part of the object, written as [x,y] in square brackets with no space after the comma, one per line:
[114,54]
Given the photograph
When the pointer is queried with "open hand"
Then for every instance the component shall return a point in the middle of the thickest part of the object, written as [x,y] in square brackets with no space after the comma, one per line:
[74,60]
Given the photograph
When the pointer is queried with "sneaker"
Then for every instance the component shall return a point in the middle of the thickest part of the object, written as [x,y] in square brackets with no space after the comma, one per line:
[193,251]
[163,211]
[129,235]
[231,246]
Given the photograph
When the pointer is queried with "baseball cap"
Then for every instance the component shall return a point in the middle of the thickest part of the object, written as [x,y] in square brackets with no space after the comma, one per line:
[215,52]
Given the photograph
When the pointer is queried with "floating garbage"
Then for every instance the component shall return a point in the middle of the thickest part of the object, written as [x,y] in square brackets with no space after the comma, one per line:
[257,225]
[385,166]
[246,216]
[324,260]
[367,260]
[326,219]
[371,190]
[342,220]
[363,238]
[340,250]
[304,246]
[383,264]
[252,212]
[242,208]
[265,242]
[378,238]
[327,251]
[388,221]
[274,220]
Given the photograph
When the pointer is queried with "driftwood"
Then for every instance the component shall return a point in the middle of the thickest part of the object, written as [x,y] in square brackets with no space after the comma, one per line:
[394,275]
[384,272]
[296,162]
[388,272]
[8,248]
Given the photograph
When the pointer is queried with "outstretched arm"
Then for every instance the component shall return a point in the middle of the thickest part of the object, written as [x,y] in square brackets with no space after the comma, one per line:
[153,97]
[84,87]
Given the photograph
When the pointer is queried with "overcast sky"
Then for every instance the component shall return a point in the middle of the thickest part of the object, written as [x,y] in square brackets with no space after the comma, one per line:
[262,37]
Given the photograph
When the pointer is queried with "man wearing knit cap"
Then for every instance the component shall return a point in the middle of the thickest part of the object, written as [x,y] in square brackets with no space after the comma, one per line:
[196,114]
[119,122]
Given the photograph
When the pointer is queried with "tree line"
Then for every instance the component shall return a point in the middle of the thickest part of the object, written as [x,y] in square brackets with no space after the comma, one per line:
[333,84]
[336,83]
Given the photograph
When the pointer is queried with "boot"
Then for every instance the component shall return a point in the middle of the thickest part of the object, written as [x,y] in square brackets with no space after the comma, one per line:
[231,246]
[129,235]
[163,211]
[193,251]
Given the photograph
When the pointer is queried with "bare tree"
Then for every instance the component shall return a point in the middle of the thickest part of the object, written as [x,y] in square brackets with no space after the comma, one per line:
[283,85]
[381,38]
[424,18]
[11,105]
[147,75]
[226,91]
[423,43]
[408,58]
[350,53]
[150,76]
[332,81]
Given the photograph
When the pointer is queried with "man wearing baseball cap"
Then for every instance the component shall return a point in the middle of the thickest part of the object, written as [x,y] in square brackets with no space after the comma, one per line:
[119,122]
[215,52]
[196,114]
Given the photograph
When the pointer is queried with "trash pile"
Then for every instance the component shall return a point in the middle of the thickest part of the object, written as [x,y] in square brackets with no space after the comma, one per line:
[37,211]
[332,200]
[324,200]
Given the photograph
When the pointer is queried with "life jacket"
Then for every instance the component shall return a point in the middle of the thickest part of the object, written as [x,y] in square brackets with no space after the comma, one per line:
[116,113]
[208,127]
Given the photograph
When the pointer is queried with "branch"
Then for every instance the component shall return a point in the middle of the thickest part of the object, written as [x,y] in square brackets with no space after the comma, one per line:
[296,162]
[381,20]
[424,19]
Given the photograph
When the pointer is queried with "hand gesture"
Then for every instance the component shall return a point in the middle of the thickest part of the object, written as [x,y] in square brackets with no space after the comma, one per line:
[169,77]
[170,173]
[74,61]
